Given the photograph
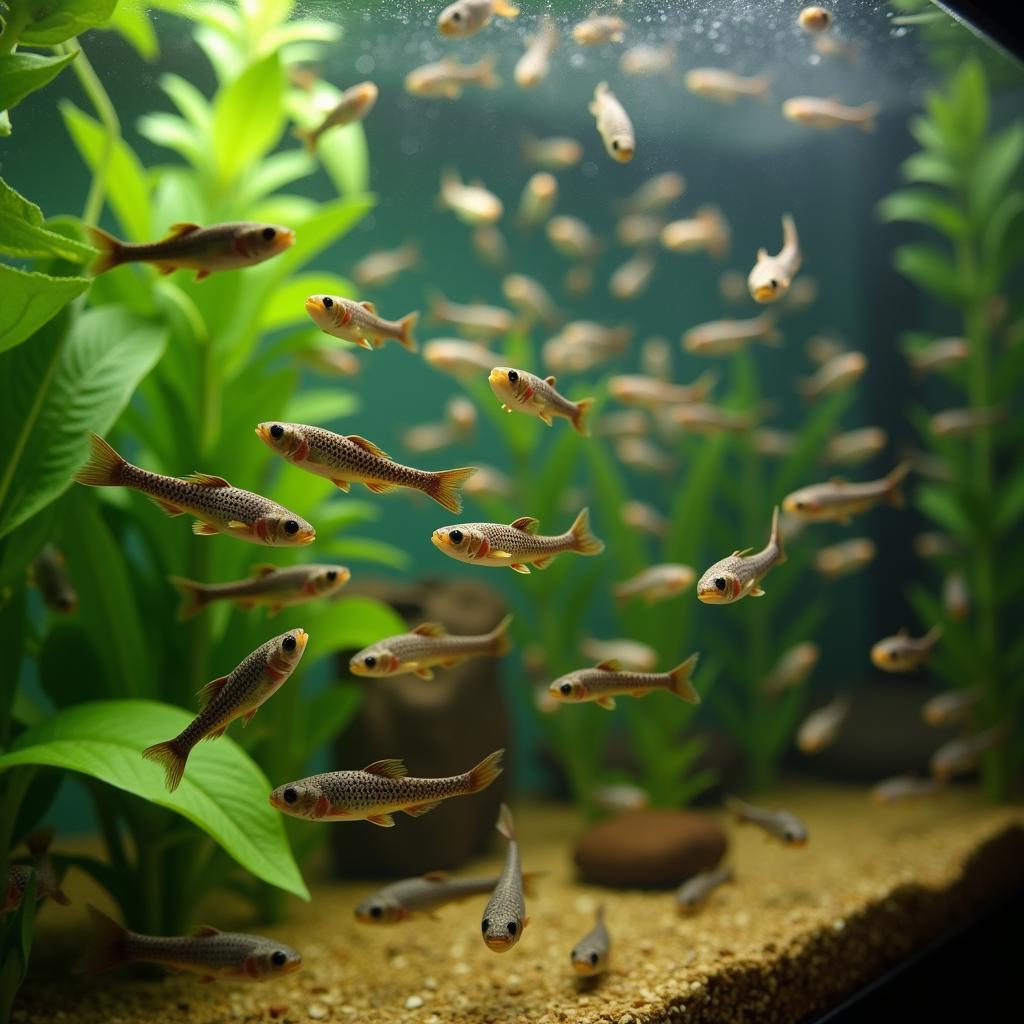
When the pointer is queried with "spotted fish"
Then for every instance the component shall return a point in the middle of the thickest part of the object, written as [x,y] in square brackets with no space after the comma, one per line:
[402,900]
[505,914]
[783,825]
[358,322]
[607,681]
[740,574]
[49,573]
[589,957]
[530,394]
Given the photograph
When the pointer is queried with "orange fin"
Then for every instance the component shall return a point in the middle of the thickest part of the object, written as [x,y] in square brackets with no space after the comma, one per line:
[166,506]
[389,767]
[525,523]
[368,446]
[608,703]
[483,774]
[110,251]
[210,690]
[342,485]
[368,306]
[261,569]
[520,568]
[379,486]
[611,665]
[217,733]
[172,758]
[384,820]
[551,380]
[420,809]
[444,487]
[430,629]
[543,563]
[248,717]
[201,529]
[207,480]
[182,229]
[103,468]
[424,673]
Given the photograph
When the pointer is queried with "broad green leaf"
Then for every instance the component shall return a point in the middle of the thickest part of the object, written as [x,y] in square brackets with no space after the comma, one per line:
[302,32]
[363,549]
[52,394]
[32,300]
[24,73]
[924,207]
[969,104]
[326,715]
[926,134]
[930,269]
[131,22]
[322,406]
[346,158]
[994,170]
[24,235]
[287,304]
[931,169]
[276,171]
[194,106]
[940,504]
[177,134]
[223,53]
[313,236]
[1002,246]
[223,791]
[48,22]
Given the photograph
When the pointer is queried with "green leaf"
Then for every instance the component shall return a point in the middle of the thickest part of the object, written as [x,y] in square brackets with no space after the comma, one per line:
[23,234]
[223,791]
[349,624]
[323,717]
[1003,247]
[132,23]
[931,169]
[930,269]
[363,549]
[54,391]
[322,406]
[32,300]
[994,170]
[177,134]
[346,158]
[940,504]
[192,104]
[48,22]
[968,104]
[924,207]
[24,73]
[321,230]
[276,171]
[1010,502]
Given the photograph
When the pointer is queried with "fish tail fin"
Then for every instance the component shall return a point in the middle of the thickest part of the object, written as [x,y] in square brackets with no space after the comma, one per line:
[406,325]
[763,87]
[486,771]
[172,757]
[488,66]
[436,303]
[933,636]
[193,596]
[579,419]
[736,806]
[308,138]
[444,487]
[499,636]
[110,248]
[504,9]
[790,238]
[104,467]
[869,111]
[894,490]
[776,536]
[584,540]
[450,178]
[680,683]
[38,842]
[108,948]
[505,825]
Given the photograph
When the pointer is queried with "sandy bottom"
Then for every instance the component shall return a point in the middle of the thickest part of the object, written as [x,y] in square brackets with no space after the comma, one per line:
[798,929]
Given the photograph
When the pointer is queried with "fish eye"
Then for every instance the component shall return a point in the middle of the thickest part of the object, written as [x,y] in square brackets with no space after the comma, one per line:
[376,911]
[512,927]
[790,836]
[290,796]
[291,526]
[369,661]
[332,575]
[615,144]
[455,536]
[773,284]
[288,643]
[512,376]
[800,505]
[456,16]
[719,583]
[279,957]
[593,959]
[268,234]
[573,955]
[328,302]
[485,924]
[277,431]
[566,688]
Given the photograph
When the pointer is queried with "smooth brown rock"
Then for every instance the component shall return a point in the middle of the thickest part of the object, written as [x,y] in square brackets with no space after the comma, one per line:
[649,849]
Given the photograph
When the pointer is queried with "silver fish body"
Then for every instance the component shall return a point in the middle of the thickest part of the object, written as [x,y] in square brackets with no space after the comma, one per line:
[783,825]
[839,500]
[504,916]
[590,956]
[740,575]
[695,891]
[402,900]
[608,681]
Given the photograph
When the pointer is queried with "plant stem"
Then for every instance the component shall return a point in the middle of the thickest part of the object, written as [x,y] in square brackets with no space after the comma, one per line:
[12,29]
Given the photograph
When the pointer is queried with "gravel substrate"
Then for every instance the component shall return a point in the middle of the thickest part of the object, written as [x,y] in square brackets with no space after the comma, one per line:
[797,930]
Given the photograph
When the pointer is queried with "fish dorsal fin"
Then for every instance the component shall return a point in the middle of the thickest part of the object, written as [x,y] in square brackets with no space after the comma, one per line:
[762,254]
[261,569]
[430,629]
[435,876]
[207,480]
[903,631]
[839,480]
[183,228]
[210,690]
[741,554]
[389,767]
[368,306]
[551,380]
[205,931]
[368,446]
[525,523]
[609,665]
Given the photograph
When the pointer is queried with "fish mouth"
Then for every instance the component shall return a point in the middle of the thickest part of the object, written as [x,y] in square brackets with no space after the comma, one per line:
[301,638]
[286,239]
[313,305]
[263,433]
[765,293]
[356,668]
[306,536]
[582,968]
[497,376]
[623,154]
[712,596]
[498,943]
[437,539]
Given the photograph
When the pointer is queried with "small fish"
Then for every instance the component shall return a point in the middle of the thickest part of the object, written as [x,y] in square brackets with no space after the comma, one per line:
[962,755]
[905,787]
[695,891]
[42,868]
[618,796]
[845,558]
[238,695]
[518,545]
[466,17]
[656,358]
[533,67]
[591,334]
[355,103]
[832,46]
[707,229]
[631,654]
[460,413]
[377,269]
[426,647]
[938,356]
[538,200]
[489,482]
[638,230]
[644,60]
[777,444]
[931,467]
[835,375]
[532,300]
[956,597]
[726,86]
[933,544]
[950,707]
[229,246]
[572,238]
[645,518]
[463,359]
[740,575]
[732,286]
[828,114]
[599,29]
[274,586]
[358,322]
[839,501]
[657,583]
[792,669]
[772,275]
[965,422]
[475,319]
[505,914]
[856,446]
[724,337]
[49,573]
[656,194]
[207,952]
[823,348]
[814,19]
[589,957]
[346,459]
[490,245]
[412,897]
[822,726]
[378,791]
[428,437]
[631,279]
[603,683]
[473,204]
[642,454]
[654,394]
[337,361]
[903,652]
[445,79]
[526,392]
[702,418]
[217,506]
[802,294]
[783,825]
[613,124]
[557,153]
[564,356]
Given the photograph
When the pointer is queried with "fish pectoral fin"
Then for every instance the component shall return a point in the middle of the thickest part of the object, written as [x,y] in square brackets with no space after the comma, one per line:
[449,662]
[201,529]
[237,525]
[378,487]
[545,417]
[210,690]
[420,809]
[262,569]
[342,485]
[525,523]
[609,665]
[166,268]
[248,717]
[204,930]
[498,554]
[756,592]
[423,672]
[368,446]
[383,820]
[368,306]
[520,568]
[608,703]
[363,342]
[166,506]
[430,629]
[181,229]
[389,767]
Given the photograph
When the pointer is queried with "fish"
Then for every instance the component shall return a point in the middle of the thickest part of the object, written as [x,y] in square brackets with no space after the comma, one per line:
[656,583]
[379,791]
[446,78]
[572,238]
[490,245]
[771,276]
[725,86]
[475,319]
[802,293]
[644,518]
[535,63]
[377,269]
[518,545]
[504,916]
[428,437]
[49,573]
[637,230]
[933,544]
[42,868]
[956,597]
[631,279]
[903,652]
[783,825]
[775,443]
[951,706]
[856,446]
[428,646]
[938,356]
[579,280]
[695,891]
[962,755]
[600,29]
[822,726]
[335,360]
[835,375]
[557,153]
[724,337]
[207,952]
[631,654]
[827,114]
[823,348]
[931,467]
[413,897]
[619,796]
[460,413]
[642,454]
[654,394]
[814,19]
[564,356]
[656,358]
[489,482]
[740,575]
[527,393]
[240,694]
[532,300]
[792,669]
[702,418]
[273,586]
[355,103]
[707,229]
[346,459]
[467,17]
[217,506]
[656,194]
[473,204]
[845,557]
[538,200]
[644,60]
[230,246]
[591,334]
[732,286]
[838,501]
[358,322]
[613,124]
[829,45]
[608,680]
[463,359]
[590,956]
[905,787]
[965,422]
